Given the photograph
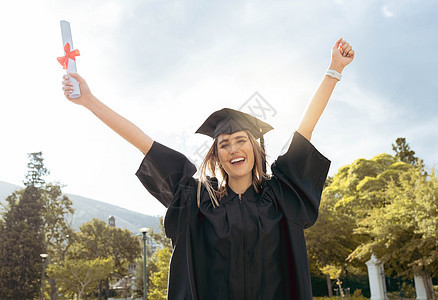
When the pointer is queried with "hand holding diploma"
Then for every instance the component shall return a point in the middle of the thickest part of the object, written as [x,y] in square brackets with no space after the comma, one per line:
[68,61]
[68,87]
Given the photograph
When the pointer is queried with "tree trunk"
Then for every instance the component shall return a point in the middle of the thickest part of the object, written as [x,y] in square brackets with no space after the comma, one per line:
[99,293]
[329,285]
[107,289]
[53,289]
[327,276]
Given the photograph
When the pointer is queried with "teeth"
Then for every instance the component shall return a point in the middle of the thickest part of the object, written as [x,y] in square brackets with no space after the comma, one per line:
[237,160]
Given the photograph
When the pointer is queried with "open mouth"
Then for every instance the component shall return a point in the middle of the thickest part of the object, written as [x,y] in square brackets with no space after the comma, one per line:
[237,161]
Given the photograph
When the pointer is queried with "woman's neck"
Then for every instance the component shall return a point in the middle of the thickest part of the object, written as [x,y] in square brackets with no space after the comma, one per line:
[241,184]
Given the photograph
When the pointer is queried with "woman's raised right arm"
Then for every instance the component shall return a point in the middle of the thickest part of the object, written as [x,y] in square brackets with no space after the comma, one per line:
[125,128]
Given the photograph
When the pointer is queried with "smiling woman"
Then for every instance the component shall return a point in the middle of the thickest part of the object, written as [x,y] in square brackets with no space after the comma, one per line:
[235,152]
[241,238]
[236,157]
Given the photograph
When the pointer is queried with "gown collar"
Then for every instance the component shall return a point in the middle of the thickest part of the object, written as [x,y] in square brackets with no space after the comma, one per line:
[250,194]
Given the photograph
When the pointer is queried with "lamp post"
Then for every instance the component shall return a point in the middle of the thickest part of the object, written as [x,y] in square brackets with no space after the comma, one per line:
[43,276]
[144,230]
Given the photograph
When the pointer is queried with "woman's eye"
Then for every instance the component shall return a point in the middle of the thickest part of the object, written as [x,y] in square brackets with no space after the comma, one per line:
[223,146]
[241,141]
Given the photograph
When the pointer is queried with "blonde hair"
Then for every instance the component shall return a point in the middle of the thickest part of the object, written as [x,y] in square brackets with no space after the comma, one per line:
[211,165]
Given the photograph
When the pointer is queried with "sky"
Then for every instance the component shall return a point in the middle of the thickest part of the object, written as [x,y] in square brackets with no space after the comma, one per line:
[167,65]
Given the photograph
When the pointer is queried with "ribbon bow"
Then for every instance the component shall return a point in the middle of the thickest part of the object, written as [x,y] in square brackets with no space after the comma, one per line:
[63,60]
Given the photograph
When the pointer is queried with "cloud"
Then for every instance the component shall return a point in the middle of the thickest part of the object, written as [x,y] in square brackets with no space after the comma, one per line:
[387,12]
[166,65]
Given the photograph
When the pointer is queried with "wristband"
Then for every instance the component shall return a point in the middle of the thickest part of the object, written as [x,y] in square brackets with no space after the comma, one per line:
[333,74]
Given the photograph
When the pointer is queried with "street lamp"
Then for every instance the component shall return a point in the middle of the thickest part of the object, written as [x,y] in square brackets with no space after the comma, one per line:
[144,230]
[43,277]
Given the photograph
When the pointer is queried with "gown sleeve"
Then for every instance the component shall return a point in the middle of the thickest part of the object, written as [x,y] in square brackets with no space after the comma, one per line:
[164,172]
[300,175]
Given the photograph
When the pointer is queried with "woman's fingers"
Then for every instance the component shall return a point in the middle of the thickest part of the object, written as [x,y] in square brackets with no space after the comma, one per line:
[345,48]
[67,83]
[338,42]
[67,86]
[348,50]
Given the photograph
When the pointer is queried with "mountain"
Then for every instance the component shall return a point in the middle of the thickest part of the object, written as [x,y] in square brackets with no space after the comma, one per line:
[87,209]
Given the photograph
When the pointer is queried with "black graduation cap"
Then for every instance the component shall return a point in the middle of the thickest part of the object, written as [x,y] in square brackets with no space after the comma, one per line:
[228,121]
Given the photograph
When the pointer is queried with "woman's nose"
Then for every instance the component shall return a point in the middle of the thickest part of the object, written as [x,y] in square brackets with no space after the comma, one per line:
[234,147]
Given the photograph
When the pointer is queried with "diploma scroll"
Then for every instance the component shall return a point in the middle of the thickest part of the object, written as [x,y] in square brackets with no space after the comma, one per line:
[71,65]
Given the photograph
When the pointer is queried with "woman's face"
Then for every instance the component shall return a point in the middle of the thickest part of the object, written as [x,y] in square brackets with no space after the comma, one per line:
[236,154]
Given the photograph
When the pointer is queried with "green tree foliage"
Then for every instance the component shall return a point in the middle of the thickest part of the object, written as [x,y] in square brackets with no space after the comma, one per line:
[403,152]
[80,276]
[387,206]
[58,231]
[334,272]
[403,234]
[34,223]
[347,199]
[157,289]
[57,215]
[329,242]
[94,243]
[35,170]
[21,245]
[23,237]
[96,239]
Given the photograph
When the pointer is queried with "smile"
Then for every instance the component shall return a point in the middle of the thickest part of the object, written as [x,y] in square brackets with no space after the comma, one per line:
[237,161]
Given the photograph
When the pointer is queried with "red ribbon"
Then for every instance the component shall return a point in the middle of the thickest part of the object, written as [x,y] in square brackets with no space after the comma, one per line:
[63,60]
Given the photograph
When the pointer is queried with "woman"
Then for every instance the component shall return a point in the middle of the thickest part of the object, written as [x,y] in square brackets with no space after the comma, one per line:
[240,237]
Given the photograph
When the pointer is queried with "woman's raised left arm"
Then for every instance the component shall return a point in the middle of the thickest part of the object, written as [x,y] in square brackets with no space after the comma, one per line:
[342,55]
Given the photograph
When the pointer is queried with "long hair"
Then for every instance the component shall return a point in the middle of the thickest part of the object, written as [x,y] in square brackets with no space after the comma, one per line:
[211,165]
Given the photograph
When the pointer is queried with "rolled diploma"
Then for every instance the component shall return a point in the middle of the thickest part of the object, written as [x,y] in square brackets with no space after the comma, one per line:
[66,38]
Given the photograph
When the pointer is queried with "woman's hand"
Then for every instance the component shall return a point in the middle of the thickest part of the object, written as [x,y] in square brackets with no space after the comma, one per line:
[67,87]
[342,55]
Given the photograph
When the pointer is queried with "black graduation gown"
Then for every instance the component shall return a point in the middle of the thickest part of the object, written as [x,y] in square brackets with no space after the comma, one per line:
[249,248]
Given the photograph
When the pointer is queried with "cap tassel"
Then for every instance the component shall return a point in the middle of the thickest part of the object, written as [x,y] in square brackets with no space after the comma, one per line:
[262,144]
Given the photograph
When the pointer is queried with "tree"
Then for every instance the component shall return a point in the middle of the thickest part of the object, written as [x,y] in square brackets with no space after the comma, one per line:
[157,289]
[34,223]
[404,153]
[403,234]
[36,170]
[329,242]
[80,276]
[23,236]
[96,239]
[346,200]
[334,272]
[58,230]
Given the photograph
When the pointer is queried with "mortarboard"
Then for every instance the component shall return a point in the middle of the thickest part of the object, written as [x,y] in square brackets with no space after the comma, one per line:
[228,121]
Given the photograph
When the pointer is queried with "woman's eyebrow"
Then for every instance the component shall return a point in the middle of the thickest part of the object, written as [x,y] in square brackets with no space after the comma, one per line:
[234,138]
[223,141]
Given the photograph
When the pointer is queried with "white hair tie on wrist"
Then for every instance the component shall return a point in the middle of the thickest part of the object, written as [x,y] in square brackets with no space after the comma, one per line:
[334,74]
